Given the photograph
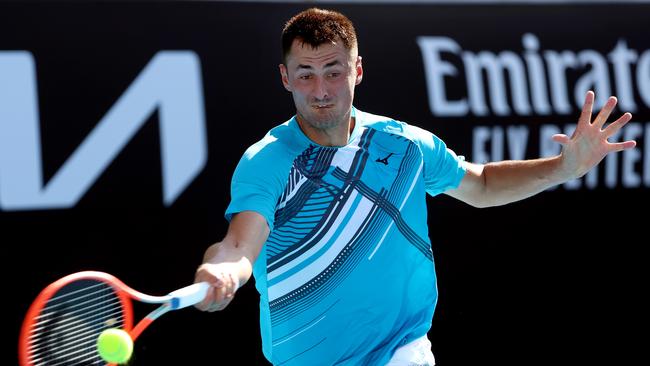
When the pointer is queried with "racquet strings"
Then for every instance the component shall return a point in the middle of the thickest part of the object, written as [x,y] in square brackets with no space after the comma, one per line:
[66,330]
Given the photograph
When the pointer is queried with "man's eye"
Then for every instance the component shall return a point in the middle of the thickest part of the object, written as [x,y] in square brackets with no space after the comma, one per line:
[335,74]
[305,77]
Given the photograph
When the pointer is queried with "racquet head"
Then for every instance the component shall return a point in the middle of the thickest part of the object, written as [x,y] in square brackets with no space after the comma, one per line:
[64,321]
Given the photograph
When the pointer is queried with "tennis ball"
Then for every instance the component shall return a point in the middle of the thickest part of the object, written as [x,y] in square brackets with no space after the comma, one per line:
[115,345]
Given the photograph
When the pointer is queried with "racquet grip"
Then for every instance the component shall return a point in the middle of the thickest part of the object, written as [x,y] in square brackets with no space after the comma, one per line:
[189,295]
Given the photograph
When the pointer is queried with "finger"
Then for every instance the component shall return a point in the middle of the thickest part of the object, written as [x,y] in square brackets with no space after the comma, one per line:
[203,274]
[232,286]
[616,125]
[219,306]
[561,138]
[216,307]
[620,146]
[585,116]
[227,286]
[220,289]
[207,301]
[602,117]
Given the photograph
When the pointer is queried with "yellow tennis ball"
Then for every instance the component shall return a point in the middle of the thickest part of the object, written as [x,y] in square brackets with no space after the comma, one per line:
[115,345]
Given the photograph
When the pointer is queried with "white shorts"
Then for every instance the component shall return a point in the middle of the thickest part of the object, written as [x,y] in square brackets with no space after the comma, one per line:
[415,353]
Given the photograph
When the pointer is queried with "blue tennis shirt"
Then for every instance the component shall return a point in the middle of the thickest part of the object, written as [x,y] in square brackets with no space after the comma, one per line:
[347,274]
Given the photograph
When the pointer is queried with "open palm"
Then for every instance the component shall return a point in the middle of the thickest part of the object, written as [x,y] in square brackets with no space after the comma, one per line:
[588,145]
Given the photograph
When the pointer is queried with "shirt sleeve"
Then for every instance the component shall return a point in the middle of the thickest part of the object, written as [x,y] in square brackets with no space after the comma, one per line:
[256,185]
[443,169]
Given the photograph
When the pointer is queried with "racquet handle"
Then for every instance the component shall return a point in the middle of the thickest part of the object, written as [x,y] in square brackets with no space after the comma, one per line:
[189,295]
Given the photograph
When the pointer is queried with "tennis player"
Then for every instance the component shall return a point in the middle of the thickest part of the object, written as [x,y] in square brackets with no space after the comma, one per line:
[328,210]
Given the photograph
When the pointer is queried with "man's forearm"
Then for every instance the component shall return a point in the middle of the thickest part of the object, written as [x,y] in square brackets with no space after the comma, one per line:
[513,180]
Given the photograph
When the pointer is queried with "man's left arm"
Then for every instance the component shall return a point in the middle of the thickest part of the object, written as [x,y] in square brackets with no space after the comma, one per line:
[499,183]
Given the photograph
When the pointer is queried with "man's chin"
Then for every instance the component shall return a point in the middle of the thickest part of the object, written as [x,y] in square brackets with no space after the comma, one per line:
[323,120]
[323,124]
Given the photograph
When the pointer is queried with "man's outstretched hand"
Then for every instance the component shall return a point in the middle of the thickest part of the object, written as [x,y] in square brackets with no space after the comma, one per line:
[588,145]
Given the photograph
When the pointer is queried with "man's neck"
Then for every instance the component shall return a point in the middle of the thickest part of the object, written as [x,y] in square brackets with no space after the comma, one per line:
[335,136]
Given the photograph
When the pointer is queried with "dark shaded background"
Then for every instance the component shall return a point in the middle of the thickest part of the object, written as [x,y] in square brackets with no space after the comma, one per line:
[556,279]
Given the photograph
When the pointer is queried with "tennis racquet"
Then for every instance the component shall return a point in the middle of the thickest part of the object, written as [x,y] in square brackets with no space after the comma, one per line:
[64,321]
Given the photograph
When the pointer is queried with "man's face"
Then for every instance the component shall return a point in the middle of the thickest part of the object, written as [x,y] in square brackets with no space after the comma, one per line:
[322,82]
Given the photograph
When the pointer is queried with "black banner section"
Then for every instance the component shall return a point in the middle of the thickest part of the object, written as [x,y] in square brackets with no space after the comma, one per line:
[121,124]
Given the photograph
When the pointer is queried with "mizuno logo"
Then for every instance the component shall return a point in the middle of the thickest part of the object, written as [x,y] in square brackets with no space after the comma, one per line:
[384,160]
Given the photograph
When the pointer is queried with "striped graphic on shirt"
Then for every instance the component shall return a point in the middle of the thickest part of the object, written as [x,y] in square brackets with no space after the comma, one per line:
[327,223]
[303,204]
[303,221]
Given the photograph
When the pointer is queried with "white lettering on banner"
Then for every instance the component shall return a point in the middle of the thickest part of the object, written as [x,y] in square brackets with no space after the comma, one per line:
[524,77]
[436,70]
[643,77]
[629,169]
[538,85]
[517,139]
[170,83]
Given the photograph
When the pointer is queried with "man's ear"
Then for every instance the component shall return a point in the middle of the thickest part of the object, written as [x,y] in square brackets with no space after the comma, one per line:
[359,67]
[285,77]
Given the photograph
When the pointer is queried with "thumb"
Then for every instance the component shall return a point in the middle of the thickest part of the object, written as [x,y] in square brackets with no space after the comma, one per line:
[561,138]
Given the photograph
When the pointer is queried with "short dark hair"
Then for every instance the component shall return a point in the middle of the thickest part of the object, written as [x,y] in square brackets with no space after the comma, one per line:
[318,26]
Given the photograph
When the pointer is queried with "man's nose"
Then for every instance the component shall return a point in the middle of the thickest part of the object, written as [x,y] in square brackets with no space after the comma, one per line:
[320,89]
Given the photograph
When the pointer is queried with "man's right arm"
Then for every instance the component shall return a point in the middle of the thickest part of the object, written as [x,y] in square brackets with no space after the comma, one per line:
[227,265]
